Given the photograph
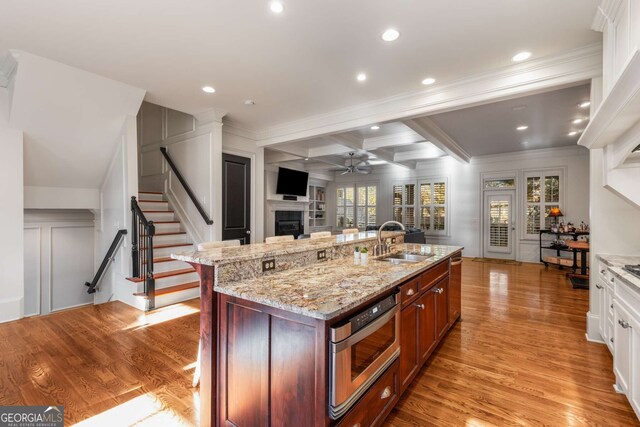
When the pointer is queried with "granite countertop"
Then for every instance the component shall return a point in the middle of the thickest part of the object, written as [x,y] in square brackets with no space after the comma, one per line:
[615,263]
[328,289]
[220,256]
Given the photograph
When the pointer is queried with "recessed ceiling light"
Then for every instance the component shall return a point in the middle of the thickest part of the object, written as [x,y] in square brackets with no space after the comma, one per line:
[521,56]
[525,142]
[428,81]
[584,104]
[361,77]
[519,107]
[523,127]
[276,7]
[249,102]
[375,127]
[208,89]
[573,133]
[576,121]
[306,158]
[390,35]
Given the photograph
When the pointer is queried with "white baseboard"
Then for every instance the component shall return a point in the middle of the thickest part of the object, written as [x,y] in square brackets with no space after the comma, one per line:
[593,330]
[11,309]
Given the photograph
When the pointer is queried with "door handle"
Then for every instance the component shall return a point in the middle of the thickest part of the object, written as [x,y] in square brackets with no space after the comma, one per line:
[248,231]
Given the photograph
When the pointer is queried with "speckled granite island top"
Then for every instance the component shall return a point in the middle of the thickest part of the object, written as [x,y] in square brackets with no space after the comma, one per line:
[221,256]
[328,289]
[616,264]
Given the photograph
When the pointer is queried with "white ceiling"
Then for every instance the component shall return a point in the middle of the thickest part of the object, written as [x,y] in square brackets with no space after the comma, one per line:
[300,63]
[491,128]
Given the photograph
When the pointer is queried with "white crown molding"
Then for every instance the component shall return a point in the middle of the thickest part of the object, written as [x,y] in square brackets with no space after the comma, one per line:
[8,66]
[541,74]
[430,131]
[209,116]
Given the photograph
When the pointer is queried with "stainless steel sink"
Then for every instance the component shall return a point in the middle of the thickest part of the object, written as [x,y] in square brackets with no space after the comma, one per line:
[404,257]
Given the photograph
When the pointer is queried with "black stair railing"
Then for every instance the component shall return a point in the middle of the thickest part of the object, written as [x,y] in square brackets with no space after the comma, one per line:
[142,251]
[105,262]
[190,193]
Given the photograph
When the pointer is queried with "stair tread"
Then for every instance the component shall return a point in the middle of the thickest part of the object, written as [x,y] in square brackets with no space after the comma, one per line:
[150,192]
[166,222]
[153,201]
[171,289]
[156,211]
[163,275]
[168,233]
[161,259]
[172,245]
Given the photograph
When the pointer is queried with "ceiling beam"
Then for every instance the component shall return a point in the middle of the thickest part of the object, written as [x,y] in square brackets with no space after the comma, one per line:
[393,140]
[389,157]
[272,156]
[428,129]
[328,150]
[349,140]
[422,154]
[301,152]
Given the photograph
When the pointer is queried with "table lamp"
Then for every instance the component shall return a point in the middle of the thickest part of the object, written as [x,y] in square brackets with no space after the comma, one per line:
[555,212]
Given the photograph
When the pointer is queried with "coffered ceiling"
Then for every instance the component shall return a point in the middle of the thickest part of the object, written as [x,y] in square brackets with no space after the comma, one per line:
[302,62]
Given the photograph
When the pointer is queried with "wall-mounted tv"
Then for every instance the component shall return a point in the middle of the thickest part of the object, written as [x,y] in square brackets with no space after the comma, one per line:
[292,182]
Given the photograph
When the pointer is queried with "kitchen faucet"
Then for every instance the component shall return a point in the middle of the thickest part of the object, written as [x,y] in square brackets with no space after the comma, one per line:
[382,248]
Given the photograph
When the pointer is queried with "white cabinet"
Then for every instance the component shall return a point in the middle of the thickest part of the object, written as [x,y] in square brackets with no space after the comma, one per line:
[604,286]
[622,343]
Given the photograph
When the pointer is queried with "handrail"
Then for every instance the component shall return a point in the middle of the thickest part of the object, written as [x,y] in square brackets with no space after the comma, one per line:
[103,266]
[142,267]
[192,196]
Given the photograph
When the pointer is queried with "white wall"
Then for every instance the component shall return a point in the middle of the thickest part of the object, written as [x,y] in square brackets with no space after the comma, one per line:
[59,259]
[11,216]
[61,198]
[119,185]
[465,193]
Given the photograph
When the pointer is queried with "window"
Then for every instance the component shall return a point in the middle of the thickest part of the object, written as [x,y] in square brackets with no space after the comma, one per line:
[356,206]
[433,201]
[499,183]
[404,204]
[366,205]
[542,192]
[344,207]
[429,205]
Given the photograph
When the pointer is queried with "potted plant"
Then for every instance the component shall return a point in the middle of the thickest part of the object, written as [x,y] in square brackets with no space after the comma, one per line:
[356,254]
[364,252]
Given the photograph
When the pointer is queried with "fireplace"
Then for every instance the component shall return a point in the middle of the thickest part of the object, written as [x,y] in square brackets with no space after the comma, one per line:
[289,223]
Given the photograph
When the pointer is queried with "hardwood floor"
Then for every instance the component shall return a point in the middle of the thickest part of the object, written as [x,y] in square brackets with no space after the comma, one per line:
[519,357]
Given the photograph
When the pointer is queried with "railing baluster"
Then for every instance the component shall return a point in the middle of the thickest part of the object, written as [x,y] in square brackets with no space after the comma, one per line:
[142,263]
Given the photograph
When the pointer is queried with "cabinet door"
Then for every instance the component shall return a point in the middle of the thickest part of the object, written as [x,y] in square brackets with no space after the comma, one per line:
[622,344]
[441,290]
[634,395]
[409,358]
[427,324]
[455,289]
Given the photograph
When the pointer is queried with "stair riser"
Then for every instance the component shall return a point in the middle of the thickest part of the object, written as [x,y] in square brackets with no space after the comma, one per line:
[147,196]
[177,297]
[154,206]
[165,252]
[166,282]
[172,239]
[168,228]
[161,267]
[159,216]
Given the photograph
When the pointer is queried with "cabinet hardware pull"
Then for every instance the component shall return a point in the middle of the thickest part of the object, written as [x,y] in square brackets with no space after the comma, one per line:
[438,290]
[356,425]
[612,280]
[420,306]
[624,324]
[411,292]
[385,393]
[611,339]
[602,271]
[598,286]
[611,306]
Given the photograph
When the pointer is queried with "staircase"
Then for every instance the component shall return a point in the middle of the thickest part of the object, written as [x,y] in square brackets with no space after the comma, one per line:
[175,281]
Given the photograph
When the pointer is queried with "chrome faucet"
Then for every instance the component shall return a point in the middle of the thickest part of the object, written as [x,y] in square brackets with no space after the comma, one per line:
[382,248]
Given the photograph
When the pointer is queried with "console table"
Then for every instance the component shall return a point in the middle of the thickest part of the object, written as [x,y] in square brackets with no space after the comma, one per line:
[545,246]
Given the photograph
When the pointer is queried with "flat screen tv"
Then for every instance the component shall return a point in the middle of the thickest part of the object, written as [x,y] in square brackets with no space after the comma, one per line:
[292,182]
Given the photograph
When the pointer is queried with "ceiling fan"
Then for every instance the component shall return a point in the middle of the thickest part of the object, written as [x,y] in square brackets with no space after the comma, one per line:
[361,167]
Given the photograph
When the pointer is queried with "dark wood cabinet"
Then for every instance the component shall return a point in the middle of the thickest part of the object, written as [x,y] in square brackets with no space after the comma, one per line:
[455,289]
[441,291]
[274,367]
[409,344]
[427,324]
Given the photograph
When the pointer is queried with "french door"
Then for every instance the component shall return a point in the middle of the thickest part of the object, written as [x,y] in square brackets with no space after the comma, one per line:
[499,224]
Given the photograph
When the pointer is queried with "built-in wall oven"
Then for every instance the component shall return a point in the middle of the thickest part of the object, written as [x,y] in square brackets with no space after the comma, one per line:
[360,351]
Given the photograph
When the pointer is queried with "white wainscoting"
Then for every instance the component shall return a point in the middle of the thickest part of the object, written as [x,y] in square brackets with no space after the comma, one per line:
[59,259]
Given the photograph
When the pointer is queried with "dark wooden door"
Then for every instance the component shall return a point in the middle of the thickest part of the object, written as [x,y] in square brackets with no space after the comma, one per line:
[409,357]
[442,308]
[427,324]
[236,198]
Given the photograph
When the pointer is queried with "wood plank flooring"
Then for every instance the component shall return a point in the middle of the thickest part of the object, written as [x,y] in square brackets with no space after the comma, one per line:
[519,357]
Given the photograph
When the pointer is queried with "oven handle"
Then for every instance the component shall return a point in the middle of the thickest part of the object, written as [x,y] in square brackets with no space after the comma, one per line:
[365,332]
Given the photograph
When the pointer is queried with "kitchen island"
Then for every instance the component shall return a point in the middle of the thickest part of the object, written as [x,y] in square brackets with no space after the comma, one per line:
[325,342]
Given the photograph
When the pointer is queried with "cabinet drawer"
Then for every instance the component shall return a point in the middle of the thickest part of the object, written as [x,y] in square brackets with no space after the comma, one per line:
[409,291]
[433,275]
[376,403]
